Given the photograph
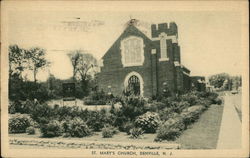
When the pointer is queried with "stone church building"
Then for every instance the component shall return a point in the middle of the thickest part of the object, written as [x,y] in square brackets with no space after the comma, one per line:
[144,65]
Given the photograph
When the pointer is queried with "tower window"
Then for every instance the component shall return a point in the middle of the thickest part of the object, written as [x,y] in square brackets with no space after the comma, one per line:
[163,45]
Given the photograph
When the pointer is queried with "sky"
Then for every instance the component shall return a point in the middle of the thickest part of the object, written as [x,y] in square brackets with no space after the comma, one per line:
[210,41]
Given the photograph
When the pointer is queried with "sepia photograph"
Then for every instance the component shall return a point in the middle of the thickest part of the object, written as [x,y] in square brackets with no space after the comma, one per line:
[124,79]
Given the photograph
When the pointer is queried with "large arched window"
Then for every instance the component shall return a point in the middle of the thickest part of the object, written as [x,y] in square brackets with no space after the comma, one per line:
[132,51]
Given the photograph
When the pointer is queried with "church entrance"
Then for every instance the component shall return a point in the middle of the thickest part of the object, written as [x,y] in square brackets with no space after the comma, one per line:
[134,85]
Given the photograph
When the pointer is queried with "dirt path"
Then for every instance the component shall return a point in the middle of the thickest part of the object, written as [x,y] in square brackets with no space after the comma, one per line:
[204,133]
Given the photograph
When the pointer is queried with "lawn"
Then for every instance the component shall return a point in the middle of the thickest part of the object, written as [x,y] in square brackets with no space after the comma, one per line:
[204,133]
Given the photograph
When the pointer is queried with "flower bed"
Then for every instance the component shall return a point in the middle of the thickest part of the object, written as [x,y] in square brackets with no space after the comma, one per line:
[90,144]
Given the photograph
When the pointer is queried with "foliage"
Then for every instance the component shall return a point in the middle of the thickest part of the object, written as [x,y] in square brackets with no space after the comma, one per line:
[127,127]
[109,131]
[224,81]
[174,126]
[18,123]
[84,68]
[191,114]
[191,98]
[76,128]
[97,119]
[30,130]
[136,133]
[149,122]
[23,90]
[52,129]
[170,129]
[167,113]
[97,98]
[156,106]
[131,107]
[42,113]
[36,60]
[17,60]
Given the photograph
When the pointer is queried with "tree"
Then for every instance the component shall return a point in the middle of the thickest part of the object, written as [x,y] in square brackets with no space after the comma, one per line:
[36,60]
[17,60]
[84,67]
[74,58]
[220,80]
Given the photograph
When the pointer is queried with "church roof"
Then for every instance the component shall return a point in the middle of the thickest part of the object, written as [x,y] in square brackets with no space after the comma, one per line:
[130,29]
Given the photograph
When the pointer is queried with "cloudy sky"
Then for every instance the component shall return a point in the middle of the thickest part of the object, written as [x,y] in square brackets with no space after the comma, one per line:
[210,41]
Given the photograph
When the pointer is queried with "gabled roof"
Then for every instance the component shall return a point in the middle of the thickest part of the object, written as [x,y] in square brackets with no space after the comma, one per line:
[130,29]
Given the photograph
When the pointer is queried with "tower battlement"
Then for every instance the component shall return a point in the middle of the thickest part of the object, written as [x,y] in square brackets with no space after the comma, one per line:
[169,29]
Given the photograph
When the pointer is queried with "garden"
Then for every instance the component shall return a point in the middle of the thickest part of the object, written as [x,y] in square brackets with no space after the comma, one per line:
[136,119]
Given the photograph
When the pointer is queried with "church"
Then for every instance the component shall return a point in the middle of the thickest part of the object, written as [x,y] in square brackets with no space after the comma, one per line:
[144,65]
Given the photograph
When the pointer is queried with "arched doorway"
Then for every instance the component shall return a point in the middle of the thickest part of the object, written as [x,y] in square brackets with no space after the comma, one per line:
[134,84]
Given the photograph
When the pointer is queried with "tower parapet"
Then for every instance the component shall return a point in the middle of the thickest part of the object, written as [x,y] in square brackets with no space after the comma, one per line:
[170,29]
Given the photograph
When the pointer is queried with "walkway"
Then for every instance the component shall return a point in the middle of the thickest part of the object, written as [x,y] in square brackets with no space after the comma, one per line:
[230,131]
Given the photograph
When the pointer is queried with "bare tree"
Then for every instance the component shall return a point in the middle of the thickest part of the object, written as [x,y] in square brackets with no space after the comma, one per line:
[84,66]
[74,58]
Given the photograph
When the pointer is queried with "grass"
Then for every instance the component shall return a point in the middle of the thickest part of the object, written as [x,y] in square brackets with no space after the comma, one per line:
[204,133]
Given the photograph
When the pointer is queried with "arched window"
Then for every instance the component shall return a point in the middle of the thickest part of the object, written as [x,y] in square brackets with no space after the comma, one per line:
[163,46]
[132,49]
[133,82]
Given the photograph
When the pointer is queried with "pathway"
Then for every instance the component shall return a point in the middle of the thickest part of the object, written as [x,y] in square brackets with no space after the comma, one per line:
[230,131]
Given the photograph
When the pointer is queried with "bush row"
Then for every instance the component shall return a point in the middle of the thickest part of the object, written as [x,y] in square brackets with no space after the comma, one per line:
[172,128]
[134,116]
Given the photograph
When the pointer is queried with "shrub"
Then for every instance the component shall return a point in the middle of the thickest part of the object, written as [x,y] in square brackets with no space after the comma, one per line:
[170,130]
[191,114]
[18,123]
[23,107]
[42,113]
[167,113]
[169,134]
[109,131]
[12,108]
[205,102]
[97,98]
[127,127]
[149,122]
[52,129]
[156,106]
[182,105]
[218,101]
[63,112]
[191,98]
[136,133]
[30,130]
[97,119]
[133,106]
[76,128]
